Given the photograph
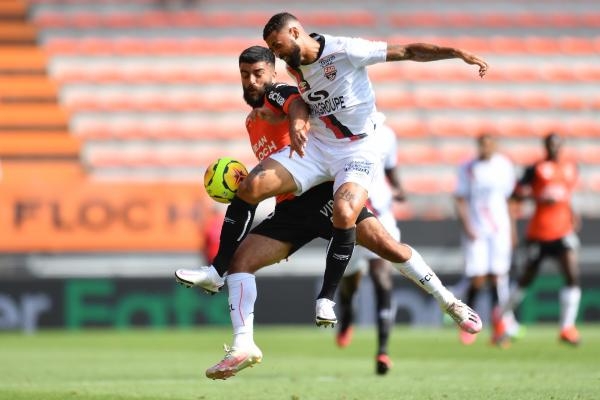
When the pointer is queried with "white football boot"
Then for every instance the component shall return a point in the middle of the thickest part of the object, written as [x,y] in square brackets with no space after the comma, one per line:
[325,315]
[206,278]
[465,317]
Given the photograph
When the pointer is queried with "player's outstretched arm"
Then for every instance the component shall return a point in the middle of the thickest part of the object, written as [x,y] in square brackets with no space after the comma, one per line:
[424,52]
[298,115]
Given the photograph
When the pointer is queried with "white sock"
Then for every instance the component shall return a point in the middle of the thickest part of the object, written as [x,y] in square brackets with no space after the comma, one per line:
[569,305]
[242,296]
[417,270]
[503,287]
[515,298]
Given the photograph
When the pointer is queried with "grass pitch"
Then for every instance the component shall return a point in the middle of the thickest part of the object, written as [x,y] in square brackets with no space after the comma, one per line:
[299,363]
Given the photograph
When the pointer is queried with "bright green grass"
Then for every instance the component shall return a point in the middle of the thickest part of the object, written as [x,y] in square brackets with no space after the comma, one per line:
[299,363]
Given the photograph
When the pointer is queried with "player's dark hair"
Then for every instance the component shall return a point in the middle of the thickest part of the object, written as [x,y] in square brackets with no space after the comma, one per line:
[277,22]
[552,136]
[256,54]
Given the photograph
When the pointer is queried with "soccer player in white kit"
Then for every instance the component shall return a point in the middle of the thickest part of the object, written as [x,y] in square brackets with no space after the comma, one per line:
[485,185]
[388,189]
[342,144]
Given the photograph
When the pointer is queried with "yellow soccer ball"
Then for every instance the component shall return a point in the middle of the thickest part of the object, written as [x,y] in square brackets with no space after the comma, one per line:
[223,177]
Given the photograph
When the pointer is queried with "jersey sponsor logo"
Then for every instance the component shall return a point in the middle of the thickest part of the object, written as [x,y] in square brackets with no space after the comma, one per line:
[327,60]
[276,97]
[327,209]
[330,72]
[364,167]
[341,257]
[327,106]
[262,148]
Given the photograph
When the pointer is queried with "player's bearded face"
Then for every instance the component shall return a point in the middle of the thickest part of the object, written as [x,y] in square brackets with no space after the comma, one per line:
[294,59]
[254,95]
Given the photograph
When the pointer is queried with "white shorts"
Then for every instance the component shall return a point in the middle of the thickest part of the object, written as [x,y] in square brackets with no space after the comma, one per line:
[487,255]
[361,255]
[344,161]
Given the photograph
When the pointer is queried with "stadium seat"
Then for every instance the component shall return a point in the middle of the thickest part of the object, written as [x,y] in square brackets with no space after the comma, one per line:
[421,154]
[33,116]
[41,171]
[22,60]
[408,127]
[38,145]
[582,127]
[20,89]
[13,10]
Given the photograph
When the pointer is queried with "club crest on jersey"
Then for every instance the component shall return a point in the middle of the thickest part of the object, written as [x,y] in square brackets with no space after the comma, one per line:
[330,72]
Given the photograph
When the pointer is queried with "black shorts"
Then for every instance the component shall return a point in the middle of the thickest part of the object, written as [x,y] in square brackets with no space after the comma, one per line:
[538,249]
[303,218]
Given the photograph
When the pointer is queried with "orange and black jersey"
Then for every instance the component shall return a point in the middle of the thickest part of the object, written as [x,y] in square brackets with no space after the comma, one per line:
[550,184]
[267,138]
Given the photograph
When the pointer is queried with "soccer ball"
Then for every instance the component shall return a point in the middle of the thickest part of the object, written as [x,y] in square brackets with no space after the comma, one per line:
[223,177]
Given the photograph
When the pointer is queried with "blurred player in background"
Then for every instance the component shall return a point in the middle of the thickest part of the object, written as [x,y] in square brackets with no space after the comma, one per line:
[552,231]
[296,221]
[211,230]
[485,185]
[380,201]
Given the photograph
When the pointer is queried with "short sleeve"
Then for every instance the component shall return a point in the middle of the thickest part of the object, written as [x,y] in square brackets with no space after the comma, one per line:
[362,52]
[280,96]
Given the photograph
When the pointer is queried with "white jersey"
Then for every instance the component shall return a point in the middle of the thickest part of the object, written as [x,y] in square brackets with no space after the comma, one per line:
[337,88]
[486,186]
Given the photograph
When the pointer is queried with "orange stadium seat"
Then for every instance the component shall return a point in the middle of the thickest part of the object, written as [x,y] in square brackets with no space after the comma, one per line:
[17,33]
[582,127]
[408,127]
[542,45]
[418,154]
[459,127]
[542,126]
[508,44]
[535,100]
[19,89]
[394,99]
[43,144]
[22,60]
[572,103]
[514,127]
[423,19]
[13,9]
[432,99]
[577,45]
[523,155]
[558,72]
[33,116]
[41,171]
[429,183]
[455,154]
[587,72]
[589,154]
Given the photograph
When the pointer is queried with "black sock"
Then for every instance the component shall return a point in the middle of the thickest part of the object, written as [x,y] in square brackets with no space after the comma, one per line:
[236,224]
[338,255]
[383,295]
[472,293]
[348,286]
[494,295]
